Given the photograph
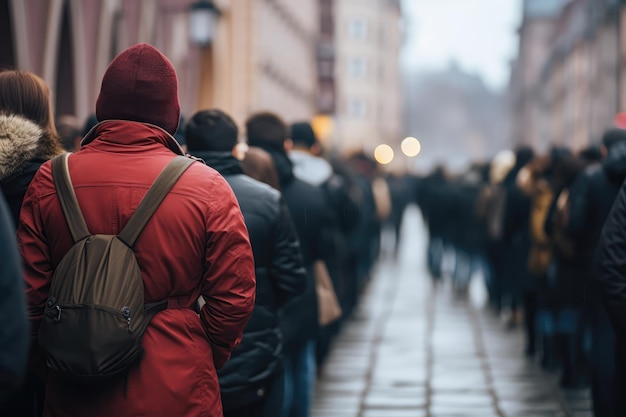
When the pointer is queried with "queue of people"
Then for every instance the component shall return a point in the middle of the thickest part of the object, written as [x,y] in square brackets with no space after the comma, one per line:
[251,254]
[544,232]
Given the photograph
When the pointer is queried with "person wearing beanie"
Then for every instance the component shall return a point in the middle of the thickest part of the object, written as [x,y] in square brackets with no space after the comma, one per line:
[254,390]
[308,207]
[308,166]
[196,244]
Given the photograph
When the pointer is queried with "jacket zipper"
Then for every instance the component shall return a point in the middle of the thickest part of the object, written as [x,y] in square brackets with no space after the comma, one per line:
[124,313]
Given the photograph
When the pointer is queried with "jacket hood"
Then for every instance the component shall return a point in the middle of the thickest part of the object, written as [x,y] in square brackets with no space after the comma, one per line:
[615,162]
[284,166]
[22,141]
[223,162]
[123,131]
[310,168]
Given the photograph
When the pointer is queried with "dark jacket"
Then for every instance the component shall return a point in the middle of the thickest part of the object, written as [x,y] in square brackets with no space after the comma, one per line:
[516,235]
[280,277]
[591,197]
[13,323]
[307,205]
[611,264]
[611,251]
[24,146]
[344,213]
[318,172]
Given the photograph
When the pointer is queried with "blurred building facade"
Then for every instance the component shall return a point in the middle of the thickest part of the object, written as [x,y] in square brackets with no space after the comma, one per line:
[363,91]
[262,56]
[567,82]
[458,119]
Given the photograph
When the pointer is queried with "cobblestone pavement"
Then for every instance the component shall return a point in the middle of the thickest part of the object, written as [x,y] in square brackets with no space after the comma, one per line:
[414,350]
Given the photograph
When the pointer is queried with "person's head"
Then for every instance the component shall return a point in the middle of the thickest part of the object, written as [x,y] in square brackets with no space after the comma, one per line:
[25,94]
[523,155]
[592,153]
[303,136]
[69,132]
[501,165]
[266,130]
[611,138]
[211,131]
[259,165]
[140,85]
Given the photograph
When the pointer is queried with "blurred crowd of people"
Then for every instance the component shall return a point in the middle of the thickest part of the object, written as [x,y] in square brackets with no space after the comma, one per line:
[532,225]
[260,249]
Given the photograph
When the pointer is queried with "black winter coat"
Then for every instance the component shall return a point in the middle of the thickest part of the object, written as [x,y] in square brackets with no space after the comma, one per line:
[516,236]
[591,198]
[13,324]
[310,213]
[280,277]
[611,263]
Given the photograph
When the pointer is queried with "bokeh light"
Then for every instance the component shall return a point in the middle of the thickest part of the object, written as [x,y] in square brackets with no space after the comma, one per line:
[411,146]
[383,154]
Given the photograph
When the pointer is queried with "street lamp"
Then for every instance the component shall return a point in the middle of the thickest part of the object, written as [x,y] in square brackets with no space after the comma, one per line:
[203,15]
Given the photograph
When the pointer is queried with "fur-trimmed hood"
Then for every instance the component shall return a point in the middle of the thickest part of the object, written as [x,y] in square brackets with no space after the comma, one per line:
[22,141]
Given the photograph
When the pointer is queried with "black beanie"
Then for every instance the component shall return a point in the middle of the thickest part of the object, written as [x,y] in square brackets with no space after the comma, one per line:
[212,131]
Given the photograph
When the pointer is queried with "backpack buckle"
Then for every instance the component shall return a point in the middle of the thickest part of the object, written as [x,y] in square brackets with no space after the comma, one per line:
[58,316]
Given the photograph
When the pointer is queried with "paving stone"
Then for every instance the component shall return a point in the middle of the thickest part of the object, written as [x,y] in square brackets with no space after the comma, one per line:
[453,409]
[394,413]
[463,399]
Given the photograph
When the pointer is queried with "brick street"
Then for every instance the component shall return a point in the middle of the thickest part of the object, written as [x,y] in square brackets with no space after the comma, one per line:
[414,350]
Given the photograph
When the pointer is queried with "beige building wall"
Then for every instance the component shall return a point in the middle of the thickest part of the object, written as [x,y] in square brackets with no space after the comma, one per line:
[367,42]
[262,57]
[284,66]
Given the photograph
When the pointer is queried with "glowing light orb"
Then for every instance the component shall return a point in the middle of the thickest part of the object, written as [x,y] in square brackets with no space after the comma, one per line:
[383,154]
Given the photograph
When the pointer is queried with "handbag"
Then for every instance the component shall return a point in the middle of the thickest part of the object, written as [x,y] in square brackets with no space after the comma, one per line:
[329,309]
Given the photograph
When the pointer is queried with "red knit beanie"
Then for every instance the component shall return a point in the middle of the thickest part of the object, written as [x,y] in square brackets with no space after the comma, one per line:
[140,85]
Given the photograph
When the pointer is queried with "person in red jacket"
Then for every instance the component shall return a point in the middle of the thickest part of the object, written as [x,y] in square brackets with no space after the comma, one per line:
[196,244]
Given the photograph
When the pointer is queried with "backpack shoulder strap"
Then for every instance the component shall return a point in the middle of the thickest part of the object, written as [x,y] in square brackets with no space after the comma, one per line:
[151,201]
[67,198]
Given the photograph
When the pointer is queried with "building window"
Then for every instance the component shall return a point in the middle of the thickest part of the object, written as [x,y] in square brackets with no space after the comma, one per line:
[357,29]
[357,108]
[325,69]
[357,68]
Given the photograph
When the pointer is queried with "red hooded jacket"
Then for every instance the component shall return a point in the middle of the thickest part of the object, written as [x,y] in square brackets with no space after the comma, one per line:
[195,244]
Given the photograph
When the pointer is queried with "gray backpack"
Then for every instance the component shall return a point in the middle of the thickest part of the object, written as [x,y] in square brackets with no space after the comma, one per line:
[95,315]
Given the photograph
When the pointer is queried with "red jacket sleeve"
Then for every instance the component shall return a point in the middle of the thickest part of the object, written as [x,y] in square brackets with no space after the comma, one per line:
[229,285]
[35,253]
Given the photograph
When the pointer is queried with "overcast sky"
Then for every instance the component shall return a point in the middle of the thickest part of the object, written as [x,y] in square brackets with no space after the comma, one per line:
[479,34]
